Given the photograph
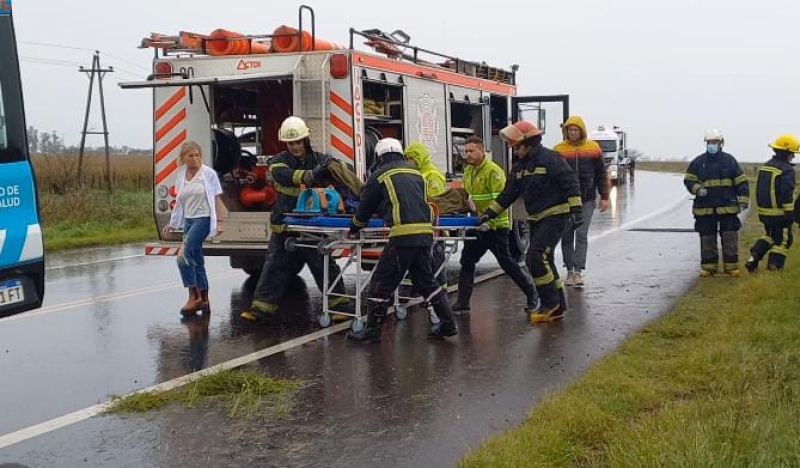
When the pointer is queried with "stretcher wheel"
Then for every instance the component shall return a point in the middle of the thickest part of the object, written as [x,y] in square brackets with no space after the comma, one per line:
[401,312]
[290,244]
[322,248]
[357,325]
[432,317]
[438,248]
[324,320]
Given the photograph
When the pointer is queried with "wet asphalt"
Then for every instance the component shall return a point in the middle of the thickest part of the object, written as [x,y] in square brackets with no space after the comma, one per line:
[110,325]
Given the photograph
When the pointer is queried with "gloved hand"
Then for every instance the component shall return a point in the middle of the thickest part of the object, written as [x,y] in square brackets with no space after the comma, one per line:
[483,219]
[308,178]
[321,171]
[576,217]
[353,232]
[702,192]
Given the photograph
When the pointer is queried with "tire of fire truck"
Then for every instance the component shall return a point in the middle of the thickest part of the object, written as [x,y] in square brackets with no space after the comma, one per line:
[226,151]
[251,264]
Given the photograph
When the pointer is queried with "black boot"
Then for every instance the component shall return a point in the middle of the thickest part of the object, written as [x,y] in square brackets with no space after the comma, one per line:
[446,326]
[461,306]
[371,333]
[442,330]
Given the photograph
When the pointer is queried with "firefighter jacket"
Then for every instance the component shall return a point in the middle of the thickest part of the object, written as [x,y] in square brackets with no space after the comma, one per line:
[484,183]
[287,173]
[396,191]
[434,179]
[586,159]
[774,191]
[546,183]
[724,180]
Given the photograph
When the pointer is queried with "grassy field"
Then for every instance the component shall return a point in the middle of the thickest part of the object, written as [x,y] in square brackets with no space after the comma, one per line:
[84,214]
[716,382]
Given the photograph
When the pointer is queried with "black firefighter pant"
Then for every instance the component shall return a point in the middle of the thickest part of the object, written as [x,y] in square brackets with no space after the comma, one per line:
[280,266]
[728,228]
[776,242]
[545,235]
[497,242]
[392,267]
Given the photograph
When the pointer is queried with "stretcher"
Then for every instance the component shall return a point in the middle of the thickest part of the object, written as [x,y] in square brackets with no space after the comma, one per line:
[327,234]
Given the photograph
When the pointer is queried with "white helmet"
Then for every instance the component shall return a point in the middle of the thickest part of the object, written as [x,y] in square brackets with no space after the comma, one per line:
[713,134]
[388,145]
[293,129]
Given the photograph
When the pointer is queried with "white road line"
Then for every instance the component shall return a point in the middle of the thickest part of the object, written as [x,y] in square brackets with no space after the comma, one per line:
[95,262]
[86,413]
[106,298]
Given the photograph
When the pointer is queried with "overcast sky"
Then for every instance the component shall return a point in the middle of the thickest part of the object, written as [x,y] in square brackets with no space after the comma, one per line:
[666,71]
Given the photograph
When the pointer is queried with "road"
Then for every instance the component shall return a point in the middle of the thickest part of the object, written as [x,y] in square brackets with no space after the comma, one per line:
[110,326]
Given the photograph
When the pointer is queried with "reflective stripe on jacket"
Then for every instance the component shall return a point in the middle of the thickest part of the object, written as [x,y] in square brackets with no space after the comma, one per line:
[775,190]
[546,183]
[721,175]
[484,183]
[396,191]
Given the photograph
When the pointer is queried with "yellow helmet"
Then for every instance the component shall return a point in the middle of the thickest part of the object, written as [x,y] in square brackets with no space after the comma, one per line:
[786,142]
[293,129]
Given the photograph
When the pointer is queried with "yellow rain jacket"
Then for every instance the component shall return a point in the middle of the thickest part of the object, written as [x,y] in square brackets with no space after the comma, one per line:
[434,179]
[484,183]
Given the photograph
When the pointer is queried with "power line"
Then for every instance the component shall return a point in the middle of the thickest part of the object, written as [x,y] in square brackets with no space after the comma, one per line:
[60,46]
[44,61]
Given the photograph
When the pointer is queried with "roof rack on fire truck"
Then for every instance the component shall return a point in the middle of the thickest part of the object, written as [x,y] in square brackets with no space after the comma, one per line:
[396,45]
[199,44]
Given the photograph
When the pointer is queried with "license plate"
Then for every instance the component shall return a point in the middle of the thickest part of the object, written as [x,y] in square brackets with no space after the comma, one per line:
[11,292]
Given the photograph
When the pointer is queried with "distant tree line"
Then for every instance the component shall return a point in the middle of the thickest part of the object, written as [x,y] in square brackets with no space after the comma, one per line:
[40,142]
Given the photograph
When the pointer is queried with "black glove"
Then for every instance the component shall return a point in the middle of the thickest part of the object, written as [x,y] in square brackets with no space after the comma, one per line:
[576,218]
[353,232]
[308,178]
[321,171]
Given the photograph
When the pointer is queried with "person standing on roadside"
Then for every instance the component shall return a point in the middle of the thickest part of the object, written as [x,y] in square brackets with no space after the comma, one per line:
[721,191]
[199,211]
[585,158]
[776,211]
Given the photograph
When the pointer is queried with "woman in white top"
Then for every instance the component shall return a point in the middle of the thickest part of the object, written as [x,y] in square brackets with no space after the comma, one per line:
[200,212]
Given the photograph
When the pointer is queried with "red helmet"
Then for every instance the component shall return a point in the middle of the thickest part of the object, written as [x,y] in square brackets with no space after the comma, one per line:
[520,131]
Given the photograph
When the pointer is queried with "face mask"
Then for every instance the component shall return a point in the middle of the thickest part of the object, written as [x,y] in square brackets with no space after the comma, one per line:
[712,148]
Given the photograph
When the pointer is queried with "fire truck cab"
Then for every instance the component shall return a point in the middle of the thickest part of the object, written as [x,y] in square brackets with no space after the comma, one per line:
[230,92]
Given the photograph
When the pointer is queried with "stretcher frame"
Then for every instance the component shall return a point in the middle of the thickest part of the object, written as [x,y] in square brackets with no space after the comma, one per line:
[333,243]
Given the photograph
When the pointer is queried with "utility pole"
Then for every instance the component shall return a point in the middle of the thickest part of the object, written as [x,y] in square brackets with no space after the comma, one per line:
[100,73]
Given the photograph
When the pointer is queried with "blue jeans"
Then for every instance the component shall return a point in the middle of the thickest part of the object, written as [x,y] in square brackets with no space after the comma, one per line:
[190,261]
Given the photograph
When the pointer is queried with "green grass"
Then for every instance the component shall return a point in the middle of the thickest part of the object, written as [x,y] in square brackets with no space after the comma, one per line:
[245,392]
[716,382]
[94,217]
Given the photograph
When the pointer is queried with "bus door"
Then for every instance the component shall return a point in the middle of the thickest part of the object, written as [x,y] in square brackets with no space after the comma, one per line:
[21,248]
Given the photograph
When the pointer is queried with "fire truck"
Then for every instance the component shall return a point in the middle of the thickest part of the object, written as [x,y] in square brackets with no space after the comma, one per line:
[230,92]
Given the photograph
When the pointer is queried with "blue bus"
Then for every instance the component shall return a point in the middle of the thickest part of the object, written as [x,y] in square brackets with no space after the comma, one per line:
[21,247]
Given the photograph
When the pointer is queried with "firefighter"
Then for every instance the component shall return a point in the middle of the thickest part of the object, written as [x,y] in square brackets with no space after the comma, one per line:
[774,193]
[396,191]
[299,166]
[552,199]
[483,181]
[721,192]
[435,184]
[585,158]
